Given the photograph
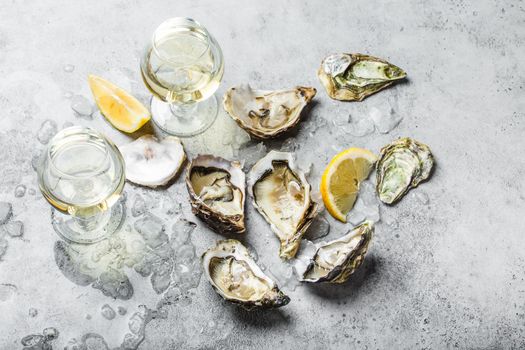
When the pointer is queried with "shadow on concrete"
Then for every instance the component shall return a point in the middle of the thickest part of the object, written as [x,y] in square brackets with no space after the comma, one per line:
[356,284]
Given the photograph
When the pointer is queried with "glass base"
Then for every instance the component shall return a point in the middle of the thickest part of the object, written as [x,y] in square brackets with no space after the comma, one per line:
[187,122]
[75,230]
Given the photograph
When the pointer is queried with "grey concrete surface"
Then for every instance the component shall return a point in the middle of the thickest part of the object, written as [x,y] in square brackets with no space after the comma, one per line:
[451,275]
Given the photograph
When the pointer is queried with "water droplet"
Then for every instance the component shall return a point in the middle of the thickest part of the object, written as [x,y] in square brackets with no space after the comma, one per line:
[122,310]
[87,317]
[14,228]
[68,95]
[33,312]
[69,68]
[82,106]
[31,191]
[3,245]
[107,312]
[67,125]
[6,210]
[47,130]
[20,191]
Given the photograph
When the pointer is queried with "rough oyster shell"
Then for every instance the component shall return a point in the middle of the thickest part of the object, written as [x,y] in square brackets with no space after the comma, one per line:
[236,277]
[402,165]
[354,76]
[335,261]
[217,192]
[150,162]
[266,114]
[281,194]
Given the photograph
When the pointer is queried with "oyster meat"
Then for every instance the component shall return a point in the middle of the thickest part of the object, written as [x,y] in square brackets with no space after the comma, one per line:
[236,277]
[335,261]
[150,162]
[217,192]
[281,194]
[354,76]
[402,165]
[266,114]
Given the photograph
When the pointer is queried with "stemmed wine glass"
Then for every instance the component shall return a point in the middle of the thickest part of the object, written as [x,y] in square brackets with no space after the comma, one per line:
[81,174]
[182,66]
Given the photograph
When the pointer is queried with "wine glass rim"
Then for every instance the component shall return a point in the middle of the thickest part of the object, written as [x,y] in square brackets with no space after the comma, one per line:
[77,130]
[182,22]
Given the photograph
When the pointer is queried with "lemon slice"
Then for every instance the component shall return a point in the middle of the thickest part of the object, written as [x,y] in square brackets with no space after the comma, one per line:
[122,110]
[341,179]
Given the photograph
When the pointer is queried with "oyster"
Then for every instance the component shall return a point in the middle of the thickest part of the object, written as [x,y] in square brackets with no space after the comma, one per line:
[281,194]
[217,192]
[335,261]
[237,278]
[354,76]
[266,114]
[402,165]
[150,162]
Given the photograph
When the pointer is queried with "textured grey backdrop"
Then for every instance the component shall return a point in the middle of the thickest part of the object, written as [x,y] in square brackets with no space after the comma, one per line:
[450,275]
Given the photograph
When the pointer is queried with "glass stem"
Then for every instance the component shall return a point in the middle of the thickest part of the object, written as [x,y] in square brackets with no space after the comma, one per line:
[92,223]
[183,110]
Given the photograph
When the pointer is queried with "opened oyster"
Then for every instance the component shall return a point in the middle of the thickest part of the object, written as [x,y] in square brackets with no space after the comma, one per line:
[217,192]
[352,77]
[266,114]
[237,278]
[150,162]
[282,195]
[335,261]
[402,165]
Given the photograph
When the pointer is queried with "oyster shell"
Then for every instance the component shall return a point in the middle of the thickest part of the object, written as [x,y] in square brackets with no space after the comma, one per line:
[150,162]
[281,194]
[354,76]
[217,192]
[266,114]
[236,277]
[335,261]
[402,165]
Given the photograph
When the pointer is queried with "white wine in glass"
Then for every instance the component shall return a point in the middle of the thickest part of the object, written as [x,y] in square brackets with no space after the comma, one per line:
[182,67]
[82,175]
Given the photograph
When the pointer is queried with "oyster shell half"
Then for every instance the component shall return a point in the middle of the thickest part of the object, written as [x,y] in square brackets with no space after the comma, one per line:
[354,76]
[217,192]
[236,277]
[281,194]
[266,114]
[402,165]
[150,162]
[335,261]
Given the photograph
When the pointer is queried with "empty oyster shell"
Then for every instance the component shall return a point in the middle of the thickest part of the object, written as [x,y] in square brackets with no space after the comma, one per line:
[335,261]
[281,194]
[217,192]
[150,162]
[237,278]
[354,76]
[266,114]
[402,165]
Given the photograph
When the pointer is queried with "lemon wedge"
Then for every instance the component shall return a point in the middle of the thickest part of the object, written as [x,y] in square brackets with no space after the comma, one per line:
[341,179]
[122,110]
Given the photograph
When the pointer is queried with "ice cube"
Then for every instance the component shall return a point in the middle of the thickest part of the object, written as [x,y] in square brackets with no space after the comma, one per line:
[50,333]
[33,340]
[82,106]
[421,196]
[14,228]
[360,127]
[139,206]
[152,230]
[115,284]
[318,229]
[7,291]
[107,312]
[181,232]
[384,121]
[47,130]
[6,210]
